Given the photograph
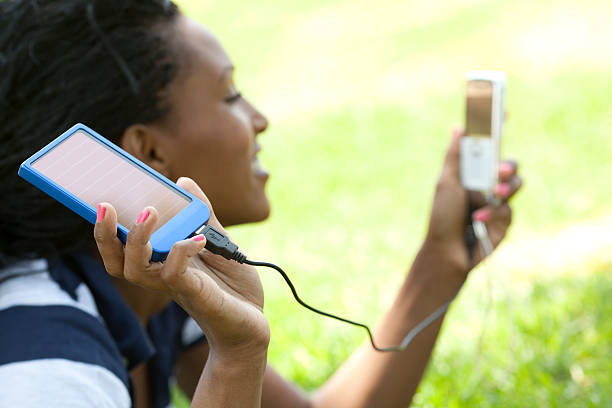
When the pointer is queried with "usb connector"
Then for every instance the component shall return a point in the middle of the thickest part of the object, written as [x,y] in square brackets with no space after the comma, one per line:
[218,243]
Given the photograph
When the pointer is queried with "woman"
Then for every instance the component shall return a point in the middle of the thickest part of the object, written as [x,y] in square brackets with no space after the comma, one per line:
[160,85]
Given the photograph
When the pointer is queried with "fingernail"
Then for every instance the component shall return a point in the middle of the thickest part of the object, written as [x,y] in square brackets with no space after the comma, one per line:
[505,169]
[481,215]
[101,213]
[456,132]
[143,216]
[502,190]
[198,238]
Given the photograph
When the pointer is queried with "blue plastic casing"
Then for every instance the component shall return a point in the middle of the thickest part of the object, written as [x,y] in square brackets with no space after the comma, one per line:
[181,226]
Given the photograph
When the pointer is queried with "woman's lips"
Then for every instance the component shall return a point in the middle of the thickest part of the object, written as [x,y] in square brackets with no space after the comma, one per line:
[257,168]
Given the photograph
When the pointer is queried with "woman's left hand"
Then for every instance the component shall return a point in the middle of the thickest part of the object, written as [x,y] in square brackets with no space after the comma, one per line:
[452,202]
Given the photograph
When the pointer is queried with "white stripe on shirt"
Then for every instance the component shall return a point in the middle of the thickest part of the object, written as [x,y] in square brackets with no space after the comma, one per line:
[39,289]
[191,332]
[59,383]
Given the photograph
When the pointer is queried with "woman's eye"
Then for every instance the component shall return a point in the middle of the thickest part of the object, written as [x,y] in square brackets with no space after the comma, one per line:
[233,97]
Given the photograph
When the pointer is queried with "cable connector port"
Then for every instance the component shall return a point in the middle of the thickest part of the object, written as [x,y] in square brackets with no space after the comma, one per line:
[218,243]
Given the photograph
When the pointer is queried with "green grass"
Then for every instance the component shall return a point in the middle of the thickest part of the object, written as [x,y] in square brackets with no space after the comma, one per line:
[549,347]
[361,97]
[546,346]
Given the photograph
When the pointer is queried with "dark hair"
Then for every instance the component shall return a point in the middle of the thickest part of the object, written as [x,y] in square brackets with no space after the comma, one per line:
[105,63]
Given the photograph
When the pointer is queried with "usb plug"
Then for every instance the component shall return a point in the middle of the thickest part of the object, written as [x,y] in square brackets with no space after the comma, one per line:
[218,243]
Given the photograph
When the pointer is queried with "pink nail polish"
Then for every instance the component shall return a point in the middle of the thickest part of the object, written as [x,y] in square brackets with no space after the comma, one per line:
[505,169]
[502,190]
[143,216]
[481,215]
[101,213]
[198,238]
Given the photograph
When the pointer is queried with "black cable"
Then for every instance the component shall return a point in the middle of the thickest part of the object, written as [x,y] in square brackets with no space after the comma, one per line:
[218,243]
[407,340]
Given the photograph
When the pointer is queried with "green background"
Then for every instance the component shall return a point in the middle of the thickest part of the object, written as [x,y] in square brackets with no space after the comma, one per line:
[361,97]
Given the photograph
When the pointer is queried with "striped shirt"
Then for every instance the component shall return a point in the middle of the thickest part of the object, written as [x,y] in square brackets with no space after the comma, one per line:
[68,339]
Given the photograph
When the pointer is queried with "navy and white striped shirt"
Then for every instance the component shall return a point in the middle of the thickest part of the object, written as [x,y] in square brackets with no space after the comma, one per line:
[68,339]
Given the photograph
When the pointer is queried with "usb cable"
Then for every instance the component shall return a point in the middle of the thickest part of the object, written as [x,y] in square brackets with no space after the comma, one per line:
[219,244]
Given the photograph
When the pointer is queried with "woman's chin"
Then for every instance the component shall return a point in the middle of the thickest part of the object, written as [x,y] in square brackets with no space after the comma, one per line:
[256,213]
[262,213]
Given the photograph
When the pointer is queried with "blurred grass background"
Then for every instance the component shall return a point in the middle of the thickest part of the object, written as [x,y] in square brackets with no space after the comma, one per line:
[361,96]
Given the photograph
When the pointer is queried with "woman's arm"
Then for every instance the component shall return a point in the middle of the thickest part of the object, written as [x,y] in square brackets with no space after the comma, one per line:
[372,379]
[224,298]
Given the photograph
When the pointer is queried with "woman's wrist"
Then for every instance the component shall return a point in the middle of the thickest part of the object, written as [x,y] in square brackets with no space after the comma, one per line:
[248,340]
[233,327]
[448,261]
[235,360]
[227,364]
[231,379]
[251,349]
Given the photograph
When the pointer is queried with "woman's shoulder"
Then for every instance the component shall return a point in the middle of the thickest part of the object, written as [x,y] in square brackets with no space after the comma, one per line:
[56,339]
[29,284]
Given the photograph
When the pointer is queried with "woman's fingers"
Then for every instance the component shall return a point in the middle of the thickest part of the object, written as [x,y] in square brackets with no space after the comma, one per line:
[138,250]
[450,169]
[175,274]
[507,169]
[501,213]
[507,189]
[191,186]
[109,246]
[509,181]
[501,218]
[497,219]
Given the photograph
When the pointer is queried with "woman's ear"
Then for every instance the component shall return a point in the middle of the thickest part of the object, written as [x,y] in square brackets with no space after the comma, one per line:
[144,143]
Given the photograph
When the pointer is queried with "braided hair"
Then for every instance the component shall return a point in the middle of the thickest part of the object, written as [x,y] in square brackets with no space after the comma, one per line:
[106,63]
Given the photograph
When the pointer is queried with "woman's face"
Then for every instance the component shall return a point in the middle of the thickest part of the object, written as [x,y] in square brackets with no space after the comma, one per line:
[210,133]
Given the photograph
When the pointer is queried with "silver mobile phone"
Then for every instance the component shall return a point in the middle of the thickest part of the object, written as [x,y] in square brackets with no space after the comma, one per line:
[484,122]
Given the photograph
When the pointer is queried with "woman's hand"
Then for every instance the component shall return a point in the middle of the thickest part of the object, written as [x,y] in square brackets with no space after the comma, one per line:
[224,297]
[449,214]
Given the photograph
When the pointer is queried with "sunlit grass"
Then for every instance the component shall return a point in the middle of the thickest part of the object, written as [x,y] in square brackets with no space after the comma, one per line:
[548,347]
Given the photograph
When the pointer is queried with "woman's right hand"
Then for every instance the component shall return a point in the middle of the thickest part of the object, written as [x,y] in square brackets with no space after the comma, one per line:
[224,297]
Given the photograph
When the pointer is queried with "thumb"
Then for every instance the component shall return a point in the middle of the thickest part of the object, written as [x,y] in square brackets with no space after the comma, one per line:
[191,186]
[451,162]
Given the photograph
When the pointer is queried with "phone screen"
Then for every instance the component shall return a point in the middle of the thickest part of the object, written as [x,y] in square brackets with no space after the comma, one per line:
[479,106]
[94,172]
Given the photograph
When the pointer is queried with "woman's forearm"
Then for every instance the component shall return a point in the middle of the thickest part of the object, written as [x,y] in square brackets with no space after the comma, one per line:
[374,379]
[231,381]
